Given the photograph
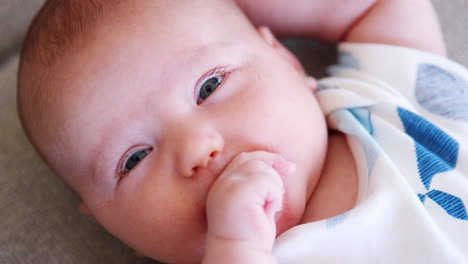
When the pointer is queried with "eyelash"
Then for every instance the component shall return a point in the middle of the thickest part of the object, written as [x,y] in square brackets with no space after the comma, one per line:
[121,171]
[223,71]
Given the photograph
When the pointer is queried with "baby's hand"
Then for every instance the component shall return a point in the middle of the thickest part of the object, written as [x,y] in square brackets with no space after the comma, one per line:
[242,203]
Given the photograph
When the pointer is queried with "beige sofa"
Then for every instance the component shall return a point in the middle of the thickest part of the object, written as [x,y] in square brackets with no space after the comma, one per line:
[39,219]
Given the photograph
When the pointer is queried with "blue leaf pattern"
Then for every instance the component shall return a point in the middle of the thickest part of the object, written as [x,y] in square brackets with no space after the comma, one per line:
[442,92]
[436,152]
[452,205]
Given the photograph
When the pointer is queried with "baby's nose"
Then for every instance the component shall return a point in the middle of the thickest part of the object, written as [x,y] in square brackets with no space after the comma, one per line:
[197,150]
[203,162]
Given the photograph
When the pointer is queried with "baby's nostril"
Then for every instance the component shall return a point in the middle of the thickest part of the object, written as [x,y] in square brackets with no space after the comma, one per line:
[213,154]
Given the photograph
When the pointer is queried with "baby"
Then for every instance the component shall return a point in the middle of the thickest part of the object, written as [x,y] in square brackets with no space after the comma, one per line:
[194,137]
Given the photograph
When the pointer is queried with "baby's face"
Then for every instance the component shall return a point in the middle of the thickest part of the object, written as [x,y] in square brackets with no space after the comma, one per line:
[150,110]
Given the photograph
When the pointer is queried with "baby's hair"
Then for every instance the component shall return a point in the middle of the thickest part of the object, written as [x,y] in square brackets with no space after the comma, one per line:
[58,27]
[58,24]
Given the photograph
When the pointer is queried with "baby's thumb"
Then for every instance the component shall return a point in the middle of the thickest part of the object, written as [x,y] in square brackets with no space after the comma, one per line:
[284,167]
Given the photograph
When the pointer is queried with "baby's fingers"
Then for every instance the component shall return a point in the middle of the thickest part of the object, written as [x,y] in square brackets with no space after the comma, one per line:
[273,202]
[242,203]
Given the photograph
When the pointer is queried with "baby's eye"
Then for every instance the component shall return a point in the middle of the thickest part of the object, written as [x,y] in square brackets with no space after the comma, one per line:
[135,158]
[131,160]
[208,87]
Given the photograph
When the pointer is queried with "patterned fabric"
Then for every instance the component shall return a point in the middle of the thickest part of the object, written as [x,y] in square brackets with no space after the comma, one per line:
[405,116]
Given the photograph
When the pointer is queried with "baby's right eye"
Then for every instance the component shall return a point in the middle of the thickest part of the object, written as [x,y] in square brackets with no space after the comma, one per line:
[131,160]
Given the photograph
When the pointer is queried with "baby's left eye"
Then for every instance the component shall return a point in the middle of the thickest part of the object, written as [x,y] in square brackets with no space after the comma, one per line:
[208,87]
[135,158]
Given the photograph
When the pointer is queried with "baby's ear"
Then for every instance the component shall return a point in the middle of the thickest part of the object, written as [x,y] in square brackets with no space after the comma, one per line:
[270,39]
[311,82]
[85,210]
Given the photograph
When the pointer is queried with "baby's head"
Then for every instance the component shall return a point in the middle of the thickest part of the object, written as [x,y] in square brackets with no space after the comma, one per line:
[139,105]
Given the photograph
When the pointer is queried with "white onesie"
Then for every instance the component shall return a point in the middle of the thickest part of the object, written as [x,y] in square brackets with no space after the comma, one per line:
[405,116]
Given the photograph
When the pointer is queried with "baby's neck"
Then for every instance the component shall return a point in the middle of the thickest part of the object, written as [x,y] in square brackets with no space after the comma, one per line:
[337,188]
